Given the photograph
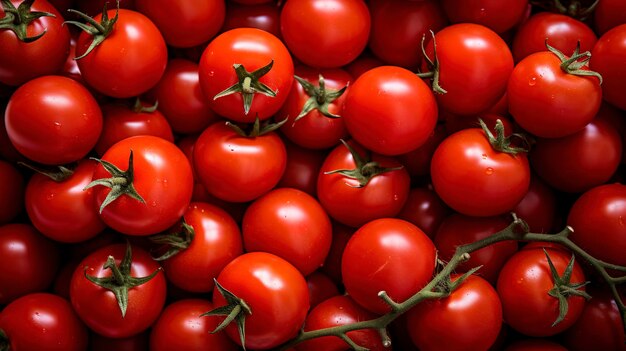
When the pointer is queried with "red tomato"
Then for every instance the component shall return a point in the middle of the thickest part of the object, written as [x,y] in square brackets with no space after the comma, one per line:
[398,28]
[346,28]
[129,61]
[12,192]
[470,318]
[524,286]
[471,177]
[99,308]
[275,293]
[608,14]
[417,161]
[607,55]
[332,264]
[424,209]
[161,175]
[180,327]
[291,224]
[302,169]
[321,288]
[216,241]
[94,7]
[185,23]
[28,261]
[474,66]
[362,64]
[538,207]
[262,16]
[597,217]
[238,168]
[246,52]
[389,110]
[42,321]
[53,120]
[61,209]
[494,14]
[390,255]
[337,311]
[353,201]
[22,61]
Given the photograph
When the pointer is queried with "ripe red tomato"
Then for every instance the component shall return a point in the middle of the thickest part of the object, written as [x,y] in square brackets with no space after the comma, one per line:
[321,288]
[129,61]
[346,28]
[606,56]
[239,53]
[608,14]
[42,321]
[53,120]
[470,318]
[425,209]
[538,208]
[387,254]
[389,110]
[494,14]
[291,224]
[265,16]
[12,192]
[275,292]
[161,175]
[99,308]
[525,284]
[22,61]
[302,169]
[28,261]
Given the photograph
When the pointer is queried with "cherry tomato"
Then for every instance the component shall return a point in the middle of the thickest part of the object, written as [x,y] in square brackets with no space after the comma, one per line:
[606,56]
[425,209]
[321,288]
[302,169]
[608,14]
[494,14]
[538,208]
[265,16]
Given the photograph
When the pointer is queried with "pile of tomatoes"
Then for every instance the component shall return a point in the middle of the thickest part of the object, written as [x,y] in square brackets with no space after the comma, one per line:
[214,174]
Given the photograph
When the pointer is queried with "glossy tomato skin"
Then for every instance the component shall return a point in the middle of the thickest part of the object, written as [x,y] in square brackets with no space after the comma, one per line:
[130,61]
[398,27]
[608,14]
[53,120]
[185,23]
[253,48]
[389,110]
[162,176]
[386,254]
[538,208]
[549,103]
[262,16]
[276,293]
[291,224]
[580,161]
[236,168]
[28,260]
[43,321]
[337,311]
[216,241]
[346,30]
[63,211]
[12,186]
[425,209]
[383,196]
[302,169]
[314,130]
[470,318]
[180,327]
[180,98]
[523,286]
[494,14]
[321,288]
[476,180]
[21,62]
[597,218]
[606,55]
[98,308]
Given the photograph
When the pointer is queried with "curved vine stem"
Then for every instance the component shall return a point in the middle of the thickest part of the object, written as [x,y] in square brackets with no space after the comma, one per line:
[518,230]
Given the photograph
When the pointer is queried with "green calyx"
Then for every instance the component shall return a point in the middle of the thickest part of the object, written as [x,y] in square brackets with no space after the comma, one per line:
[563,287]
[57,173]
[365,168]
[572,8]
[256,129]
[433,66]
[120,182]
[236,310]
[18,19]
[174,242]
[120,280]
[99,31]
[575,63]
[320,97]
[5,344]
[248,84]
[138,107]
[500,142]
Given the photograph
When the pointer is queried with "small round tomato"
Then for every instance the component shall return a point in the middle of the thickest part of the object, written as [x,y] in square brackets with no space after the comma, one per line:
[42,321]
[302,168]
[538,207]
[494,14]
[291,224]
[262,16]
[608,14]
[332,264]
[53,120]
[425,209]
[390,255]
[470,318]
[12,192]
[606,56]
[321,288]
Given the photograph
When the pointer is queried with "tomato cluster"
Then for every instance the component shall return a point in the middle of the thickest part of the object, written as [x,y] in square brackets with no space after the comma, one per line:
[220,174]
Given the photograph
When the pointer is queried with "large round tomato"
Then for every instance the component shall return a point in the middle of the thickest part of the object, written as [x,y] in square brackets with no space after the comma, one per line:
[53,120]
[389,110]
[606,58]
[275,293]
[470,318]
[239,59]
[325,33]
[390,255]
[162,177]
[130,60]
[291,224]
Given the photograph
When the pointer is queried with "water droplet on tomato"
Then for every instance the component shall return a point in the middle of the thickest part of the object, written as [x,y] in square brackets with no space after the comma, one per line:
[484,156]
[489,171]
[532,81]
